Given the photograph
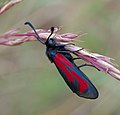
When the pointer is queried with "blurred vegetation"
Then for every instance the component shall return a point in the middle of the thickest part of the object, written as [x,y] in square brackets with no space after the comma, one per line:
[31,85]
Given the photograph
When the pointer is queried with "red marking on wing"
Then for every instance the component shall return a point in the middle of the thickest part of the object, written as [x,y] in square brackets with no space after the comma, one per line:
[58,59]
[61,62]
[83,83]
[63,59]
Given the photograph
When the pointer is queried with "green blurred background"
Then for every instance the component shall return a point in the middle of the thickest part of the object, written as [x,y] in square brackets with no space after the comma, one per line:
[31,85]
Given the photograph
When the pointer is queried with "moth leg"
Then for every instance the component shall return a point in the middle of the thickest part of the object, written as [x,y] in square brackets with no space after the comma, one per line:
[76,58]
[62,45]
[63,52]
[70,44]
[77,50]
[88,65]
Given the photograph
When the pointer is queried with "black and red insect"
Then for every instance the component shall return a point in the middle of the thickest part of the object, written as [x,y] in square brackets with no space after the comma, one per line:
[77,81]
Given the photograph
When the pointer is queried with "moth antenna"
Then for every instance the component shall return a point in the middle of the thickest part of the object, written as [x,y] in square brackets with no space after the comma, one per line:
[38,37]
[52,30]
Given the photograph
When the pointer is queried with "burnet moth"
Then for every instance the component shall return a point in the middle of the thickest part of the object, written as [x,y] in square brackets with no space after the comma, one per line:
[77,81]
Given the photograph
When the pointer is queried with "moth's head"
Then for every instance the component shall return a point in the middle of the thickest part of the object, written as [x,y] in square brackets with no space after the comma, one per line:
[50,42]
